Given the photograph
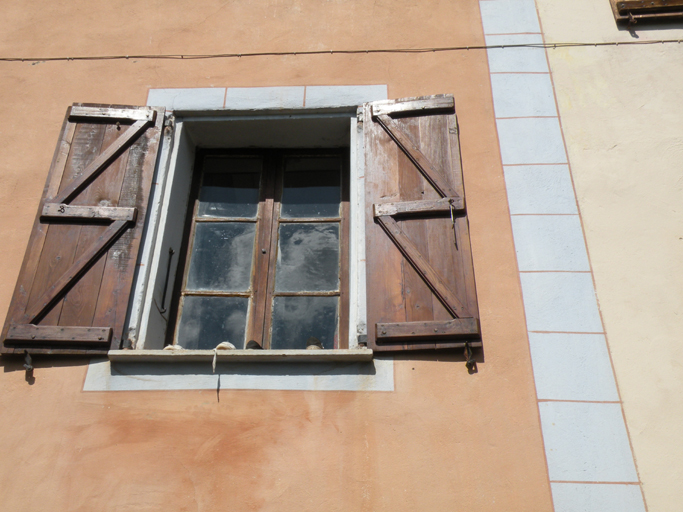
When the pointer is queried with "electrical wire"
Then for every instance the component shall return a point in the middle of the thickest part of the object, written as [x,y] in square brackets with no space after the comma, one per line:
[334,52]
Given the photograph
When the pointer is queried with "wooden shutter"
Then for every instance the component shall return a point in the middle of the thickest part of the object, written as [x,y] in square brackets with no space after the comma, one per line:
[420,280]
[73,288]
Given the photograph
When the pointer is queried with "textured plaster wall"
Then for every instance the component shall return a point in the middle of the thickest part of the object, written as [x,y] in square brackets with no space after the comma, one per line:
[620,109]
[443,440]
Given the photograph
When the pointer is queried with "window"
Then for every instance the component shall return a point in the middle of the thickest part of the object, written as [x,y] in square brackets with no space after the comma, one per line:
[266,254]
[365,236]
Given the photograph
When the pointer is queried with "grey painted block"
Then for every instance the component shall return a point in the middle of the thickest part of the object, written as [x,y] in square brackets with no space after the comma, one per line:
[249,98]
[586,442]
[523,95]
[509,16]
[597,498]
[549,242]
[516,60]
[531,141]
[572,367]
[376,375]
[540,189]
[343,95]
[187,99]
[560,301]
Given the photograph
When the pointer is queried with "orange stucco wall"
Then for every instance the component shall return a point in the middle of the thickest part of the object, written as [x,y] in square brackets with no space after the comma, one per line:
[443,440]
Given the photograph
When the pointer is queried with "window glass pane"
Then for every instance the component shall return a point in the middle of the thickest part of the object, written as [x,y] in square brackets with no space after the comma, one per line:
[221,256]
[311,188]
[308,258]
[207,321]
[230,187]
[295,319]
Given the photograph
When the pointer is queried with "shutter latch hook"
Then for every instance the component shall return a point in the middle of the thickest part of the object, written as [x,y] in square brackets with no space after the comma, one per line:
[28,365]
[455,233]
[471,364]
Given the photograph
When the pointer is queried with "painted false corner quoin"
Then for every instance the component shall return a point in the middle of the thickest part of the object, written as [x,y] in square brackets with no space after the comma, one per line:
[72,292]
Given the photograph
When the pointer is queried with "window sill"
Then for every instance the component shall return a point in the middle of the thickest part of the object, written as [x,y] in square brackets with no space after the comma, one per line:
[234,356]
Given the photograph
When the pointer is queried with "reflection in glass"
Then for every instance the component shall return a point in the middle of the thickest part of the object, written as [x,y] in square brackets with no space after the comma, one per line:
[312,188]
[230,187]
[221,256]
[295,319]
[308,258]
[207,321]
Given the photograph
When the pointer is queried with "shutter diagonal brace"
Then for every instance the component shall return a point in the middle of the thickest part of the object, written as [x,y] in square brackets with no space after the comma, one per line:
[94,169]
[431,173]
[75,272]
[428,274]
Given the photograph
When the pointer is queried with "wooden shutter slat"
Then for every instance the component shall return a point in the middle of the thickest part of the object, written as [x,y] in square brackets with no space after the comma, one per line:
[75,271]
[134,114]
[419,207]
[78,271]
[101,162]
[37,334]
[428,170]
[418,254]
[60,211]
[430,276]
[422,105]
[428,330]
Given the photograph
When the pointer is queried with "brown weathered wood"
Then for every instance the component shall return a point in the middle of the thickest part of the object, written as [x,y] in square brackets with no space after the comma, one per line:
[101,162]
[61,211]
[413,106]
[81,265]
[635,10]
[134,114]
[432,174]
[56,249]
[410,331]
[418,207]
[632,5]
[423,267]
[121,259]
[38,334]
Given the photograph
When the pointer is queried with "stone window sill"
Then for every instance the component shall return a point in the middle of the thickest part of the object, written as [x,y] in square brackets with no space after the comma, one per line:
[234,356]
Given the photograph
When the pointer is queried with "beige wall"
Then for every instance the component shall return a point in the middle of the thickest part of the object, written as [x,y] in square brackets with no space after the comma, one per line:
[443,440]
[620,110]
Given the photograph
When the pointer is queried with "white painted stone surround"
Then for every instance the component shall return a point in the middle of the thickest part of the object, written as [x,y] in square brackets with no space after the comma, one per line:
[590,463]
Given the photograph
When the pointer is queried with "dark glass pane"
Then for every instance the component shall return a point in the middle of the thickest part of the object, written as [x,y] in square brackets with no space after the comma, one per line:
[221,256]
[295,319]
[308,258]
[311,188]
[230,187]
[208,321]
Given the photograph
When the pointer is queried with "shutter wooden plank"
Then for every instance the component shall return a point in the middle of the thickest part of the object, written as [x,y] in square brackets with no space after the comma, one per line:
[385,272]
[79,303]
[37,334]
[415,105]
[100,163]
[61,242]
[428,170]
[418,207]
[121,259]
[423,267]
[61,211]
[454,328]
[75,271]
[134,114]
[78,267]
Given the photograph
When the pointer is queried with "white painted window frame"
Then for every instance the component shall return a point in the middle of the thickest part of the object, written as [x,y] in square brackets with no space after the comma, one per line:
[170,182]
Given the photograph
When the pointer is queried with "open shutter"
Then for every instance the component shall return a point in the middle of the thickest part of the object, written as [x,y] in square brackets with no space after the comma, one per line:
[420,280]
[76,278]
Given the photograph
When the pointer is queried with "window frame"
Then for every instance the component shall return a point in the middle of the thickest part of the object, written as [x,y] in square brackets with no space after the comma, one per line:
[267,221]
[180,144]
